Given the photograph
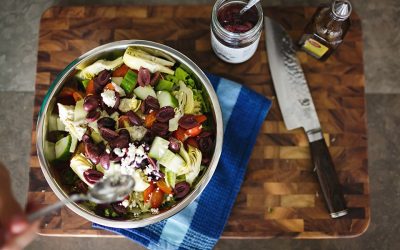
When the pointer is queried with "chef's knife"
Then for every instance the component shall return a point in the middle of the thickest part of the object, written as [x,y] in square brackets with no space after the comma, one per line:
[298,110]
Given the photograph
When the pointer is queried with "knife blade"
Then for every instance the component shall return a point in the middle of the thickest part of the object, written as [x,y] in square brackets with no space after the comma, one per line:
[298,110]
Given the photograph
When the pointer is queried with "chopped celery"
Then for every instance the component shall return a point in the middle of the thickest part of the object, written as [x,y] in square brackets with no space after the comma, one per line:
[164,85]
[180,74]
[85,83]
[172,78]
[129,81]
[191,83]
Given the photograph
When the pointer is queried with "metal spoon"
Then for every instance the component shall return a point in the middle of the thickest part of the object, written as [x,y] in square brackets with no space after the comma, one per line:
[111,189]
[250,4]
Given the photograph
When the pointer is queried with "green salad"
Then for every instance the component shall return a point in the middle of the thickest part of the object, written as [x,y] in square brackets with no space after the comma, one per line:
[140,114]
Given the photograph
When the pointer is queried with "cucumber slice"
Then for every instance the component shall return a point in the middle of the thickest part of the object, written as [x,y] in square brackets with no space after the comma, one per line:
[49,150]
[60,125]
[144,92]
[129,81]
[79,112]
[171,179]
[164,85]
[166,99]
[79,164]
[117,80]
[62,148]
[52,122]
[74,143]
[172,162]
[158,148]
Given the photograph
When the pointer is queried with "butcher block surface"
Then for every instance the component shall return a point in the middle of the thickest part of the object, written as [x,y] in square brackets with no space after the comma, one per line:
[280,196]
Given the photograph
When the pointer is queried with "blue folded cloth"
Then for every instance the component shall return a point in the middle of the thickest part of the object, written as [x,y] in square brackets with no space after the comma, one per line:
[200,224]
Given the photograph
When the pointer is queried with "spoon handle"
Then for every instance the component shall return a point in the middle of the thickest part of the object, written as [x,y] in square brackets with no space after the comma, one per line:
[46,210]
[250,4]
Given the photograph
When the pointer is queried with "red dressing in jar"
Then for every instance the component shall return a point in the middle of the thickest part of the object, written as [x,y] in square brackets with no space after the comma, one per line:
[235,37]
[230,19]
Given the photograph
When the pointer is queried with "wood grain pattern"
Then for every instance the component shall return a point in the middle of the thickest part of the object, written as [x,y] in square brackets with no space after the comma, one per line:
[280,196]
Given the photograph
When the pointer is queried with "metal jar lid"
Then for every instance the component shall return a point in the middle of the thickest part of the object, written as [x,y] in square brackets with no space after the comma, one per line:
[341,9]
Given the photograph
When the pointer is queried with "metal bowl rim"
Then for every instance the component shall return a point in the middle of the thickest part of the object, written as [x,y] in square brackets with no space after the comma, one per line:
[56,85]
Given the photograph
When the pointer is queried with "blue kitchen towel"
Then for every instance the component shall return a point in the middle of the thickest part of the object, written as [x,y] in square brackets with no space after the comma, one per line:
[200,224]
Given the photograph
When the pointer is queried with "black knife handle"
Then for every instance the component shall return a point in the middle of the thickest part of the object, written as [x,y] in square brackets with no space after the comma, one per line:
[328,179]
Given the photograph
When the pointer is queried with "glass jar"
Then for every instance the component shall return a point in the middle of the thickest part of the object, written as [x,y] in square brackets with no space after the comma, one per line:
[234,46]
[327,29]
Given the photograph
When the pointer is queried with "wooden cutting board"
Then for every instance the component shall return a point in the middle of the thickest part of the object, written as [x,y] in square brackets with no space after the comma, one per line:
[280,196]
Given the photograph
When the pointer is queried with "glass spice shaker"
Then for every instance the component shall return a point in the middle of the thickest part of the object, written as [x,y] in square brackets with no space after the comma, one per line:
[235,37]
[326,30]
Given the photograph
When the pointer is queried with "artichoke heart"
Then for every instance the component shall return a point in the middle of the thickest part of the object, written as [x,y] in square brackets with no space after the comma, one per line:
[128,104]
[195,162]
[79,164]
[192,158]
[185,98]
[92,70]
[135,58]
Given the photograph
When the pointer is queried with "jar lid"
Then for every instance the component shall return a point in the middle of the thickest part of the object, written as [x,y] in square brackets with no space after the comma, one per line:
[341,9]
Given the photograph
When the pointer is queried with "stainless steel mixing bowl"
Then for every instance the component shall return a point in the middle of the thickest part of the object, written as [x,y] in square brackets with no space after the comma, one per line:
[102,52]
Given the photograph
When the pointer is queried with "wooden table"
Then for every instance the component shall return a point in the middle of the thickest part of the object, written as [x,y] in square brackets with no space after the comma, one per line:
[280,196]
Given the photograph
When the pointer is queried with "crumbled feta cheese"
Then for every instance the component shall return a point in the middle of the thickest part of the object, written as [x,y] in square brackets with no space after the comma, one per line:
[76,128]
[154,211]
[148,169]
[66,112]
[120,152]
[125,203]
[134,156]
[109,98]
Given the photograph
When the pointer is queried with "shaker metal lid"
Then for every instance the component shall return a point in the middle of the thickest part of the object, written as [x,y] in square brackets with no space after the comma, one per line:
[341,8]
